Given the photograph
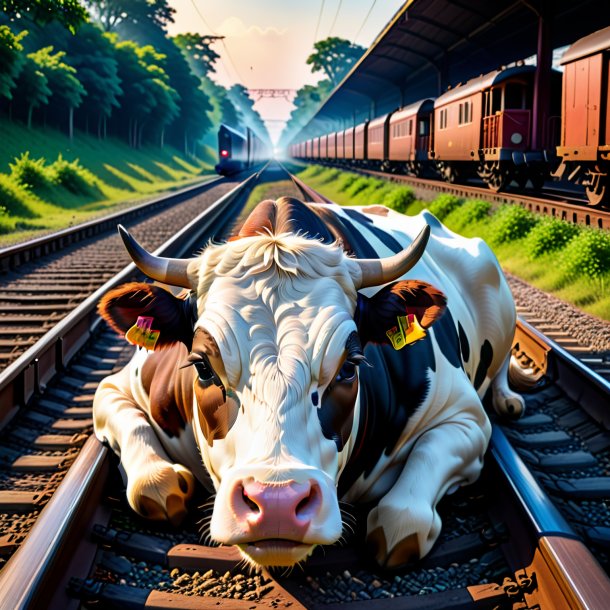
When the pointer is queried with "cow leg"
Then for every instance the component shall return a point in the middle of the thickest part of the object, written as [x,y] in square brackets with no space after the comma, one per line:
[405,524]
[506,402]
[157,488]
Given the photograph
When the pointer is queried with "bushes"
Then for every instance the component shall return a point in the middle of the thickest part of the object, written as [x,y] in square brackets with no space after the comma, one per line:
[399,199]
[511,222]
[588,254]
[71,175]
[548,235]
[346,180]
[30,173]
[14,199]
[471,211]
[443,205]
[356,186]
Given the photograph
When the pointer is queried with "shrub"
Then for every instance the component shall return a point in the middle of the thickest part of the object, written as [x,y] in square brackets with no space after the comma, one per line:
[443,205]
[399,199]
[358,185]
[548,235]
[311,171]
[471,211]
[587,254]
[346,180]
[71,175]
[6,224]
[511,222]
[30,173]
[329,175]
[14,198]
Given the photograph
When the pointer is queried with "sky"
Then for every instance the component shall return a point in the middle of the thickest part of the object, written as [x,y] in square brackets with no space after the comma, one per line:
[268,41]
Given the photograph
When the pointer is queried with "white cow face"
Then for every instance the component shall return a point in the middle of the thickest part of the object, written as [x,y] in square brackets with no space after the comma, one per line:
[276,355]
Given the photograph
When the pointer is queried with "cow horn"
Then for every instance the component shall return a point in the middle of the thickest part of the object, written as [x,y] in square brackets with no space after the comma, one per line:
[167,270]
[381,271]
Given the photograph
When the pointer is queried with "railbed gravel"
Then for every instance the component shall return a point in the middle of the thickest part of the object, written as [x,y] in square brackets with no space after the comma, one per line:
[587,329]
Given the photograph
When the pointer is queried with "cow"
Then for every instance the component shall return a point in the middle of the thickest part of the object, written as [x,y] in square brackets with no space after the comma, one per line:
[324,353]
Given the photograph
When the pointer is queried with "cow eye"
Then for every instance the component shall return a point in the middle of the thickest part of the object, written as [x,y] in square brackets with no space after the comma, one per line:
[347,372]
[206,376]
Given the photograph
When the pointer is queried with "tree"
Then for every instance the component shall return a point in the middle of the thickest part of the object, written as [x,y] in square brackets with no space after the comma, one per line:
[33,86]
[93,55]
[238,94]
[110,14]
[70,13]
[335,57]
[65,87]
[198,52]
[11,59]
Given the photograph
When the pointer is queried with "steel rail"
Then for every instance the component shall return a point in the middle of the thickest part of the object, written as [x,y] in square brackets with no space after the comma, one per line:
[35,367]
[13,256]
[28,573]
[577,214]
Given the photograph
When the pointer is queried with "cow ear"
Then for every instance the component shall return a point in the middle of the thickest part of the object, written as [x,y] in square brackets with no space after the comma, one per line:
[376,315]
[171,315]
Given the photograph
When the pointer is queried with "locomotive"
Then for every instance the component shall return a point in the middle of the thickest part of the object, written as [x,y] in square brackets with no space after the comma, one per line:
[237,152]
[485,128]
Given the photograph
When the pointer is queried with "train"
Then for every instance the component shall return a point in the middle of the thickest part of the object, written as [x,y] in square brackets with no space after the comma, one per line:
[485,127]
[237,152]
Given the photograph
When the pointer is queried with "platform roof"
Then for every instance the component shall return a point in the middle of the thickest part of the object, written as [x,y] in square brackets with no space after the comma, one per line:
[431,44]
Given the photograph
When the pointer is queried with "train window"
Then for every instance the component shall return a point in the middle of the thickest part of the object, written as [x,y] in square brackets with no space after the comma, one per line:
[442,123]
[465,113]
[514,96]
[496,100]
[410,127]
[424,127]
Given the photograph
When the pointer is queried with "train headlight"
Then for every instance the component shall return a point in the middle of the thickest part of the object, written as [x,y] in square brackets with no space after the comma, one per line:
[224,153]
[516,138]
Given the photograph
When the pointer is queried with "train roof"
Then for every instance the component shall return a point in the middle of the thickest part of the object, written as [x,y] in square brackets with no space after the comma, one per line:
[593,43]
[233,131]
[412,109]
[380,120]
[480,83]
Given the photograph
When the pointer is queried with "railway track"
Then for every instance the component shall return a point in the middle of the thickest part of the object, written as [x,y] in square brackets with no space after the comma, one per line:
[552,201]
[519,537]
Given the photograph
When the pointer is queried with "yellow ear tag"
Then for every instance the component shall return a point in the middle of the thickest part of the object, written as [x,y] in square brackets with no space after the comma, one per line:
[142,334]
[407,332]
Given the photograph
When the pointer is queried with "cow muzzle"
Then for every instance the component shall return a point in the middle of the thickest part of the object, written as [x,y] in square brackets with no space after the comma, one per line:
[279,523]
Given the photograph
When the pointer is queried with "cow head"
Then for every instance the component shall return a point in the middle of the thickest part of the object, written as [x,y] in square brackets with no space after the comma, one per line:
[274,354]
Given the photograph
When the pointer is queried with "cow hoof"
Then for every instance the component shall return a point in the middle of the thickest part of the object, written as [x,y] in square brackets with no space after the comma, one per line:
[161,492]
[402,554]
[508,404]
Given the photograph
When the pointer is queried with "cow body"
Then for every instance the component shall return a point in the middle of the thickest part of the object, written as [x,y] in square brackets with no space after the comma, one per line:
[281,416]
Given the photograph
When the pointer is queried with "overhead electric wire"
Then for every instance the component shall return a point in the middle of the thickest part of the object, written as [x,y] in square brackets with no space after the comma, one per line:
[207,25]
[315,36]
[332,25]
[364,22]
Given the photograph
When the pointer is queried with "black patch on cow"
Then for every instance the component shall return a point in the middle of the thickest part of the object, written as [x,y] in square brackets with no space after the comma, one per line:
[392,388]
[353,241]
[487,354]
[464,345]
[447,338]
[304,220]
[385,238]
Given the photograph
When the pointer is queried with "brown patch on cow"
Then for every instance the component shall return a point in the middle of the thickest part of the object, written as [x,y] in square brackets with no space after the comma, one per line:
[260,221]
[216,415]
[406,551]
[121,307]
[377,544]
[378,314]
[203,342]
[169,387]
[377,210]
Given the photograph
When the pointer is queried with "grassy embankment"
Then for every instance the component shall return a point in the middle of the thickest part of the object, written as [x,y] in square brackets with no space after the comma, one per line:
[571,262]
[91,178]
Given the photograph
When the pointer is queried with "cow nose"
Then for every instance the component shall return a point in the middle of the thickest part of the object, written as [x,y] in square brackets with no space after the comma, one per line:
[270,510]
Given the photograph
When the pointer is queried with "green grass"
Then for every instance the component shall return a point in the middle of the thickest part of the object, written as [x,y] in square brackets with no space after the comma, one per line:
[109,176]
[576,270]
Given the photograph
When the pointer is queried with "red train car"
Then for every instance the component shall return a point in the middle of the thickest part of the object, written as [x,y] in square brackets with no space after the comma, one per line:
[585,126]
[349,143]
[341,144]
[360,141]
[323,147]
[409,137]
[308,149]
[377,141]
[315,148]
[331,146]
[484,126]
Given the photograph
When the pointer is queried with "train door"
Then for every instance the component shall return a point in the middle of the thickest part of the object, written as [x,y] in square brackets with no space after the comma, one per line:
[582,102]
